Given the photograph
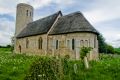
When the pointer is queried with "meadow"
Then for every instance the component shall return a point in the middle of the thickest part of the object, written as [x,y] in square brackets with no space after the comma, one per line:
[16,67]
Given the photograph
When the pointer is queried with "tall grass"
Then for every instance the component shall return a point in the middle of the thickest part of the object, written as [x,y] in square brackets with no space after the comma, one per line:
[14,67]
[107,68]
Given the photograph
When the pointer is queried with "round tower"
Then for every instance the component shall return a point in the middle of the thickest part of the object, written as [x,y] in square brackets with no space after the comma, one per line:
[24,15]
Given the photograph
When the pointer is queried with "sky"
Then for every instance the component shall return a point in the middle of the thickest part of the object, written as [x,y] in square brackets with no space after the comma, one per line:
[104,15]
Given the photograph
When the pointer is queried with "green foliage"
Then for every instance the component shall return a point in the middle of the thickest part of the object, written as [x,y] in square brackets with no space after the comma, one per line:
[53,69]
[84,51]
[44,69]
[110,49]
[117,50]
[7,46]
[106,69]
[14,67]
[20,67]
[101,44]
[67,56]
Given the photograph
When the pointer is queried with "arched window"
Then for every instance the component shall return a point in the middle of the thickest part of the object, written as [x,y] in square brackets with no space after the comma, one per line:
[73,44]
[89,43]
[82,43]
[27,43]
[30,13]
[86,43]
[40,43]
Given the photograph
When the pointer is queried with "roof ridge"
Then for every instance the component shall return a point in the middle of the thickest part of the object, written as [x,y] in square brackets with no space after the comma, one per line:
[73,22]
[58,12]
[70,14]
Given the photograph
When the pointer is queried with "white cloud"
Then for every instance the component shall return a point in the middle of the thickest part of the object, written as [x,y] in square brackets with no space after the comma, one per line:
[101,15]
[9,6]
[39,3]
[115,43]
[64,2]
[4,40]
[6,31]
[105,11]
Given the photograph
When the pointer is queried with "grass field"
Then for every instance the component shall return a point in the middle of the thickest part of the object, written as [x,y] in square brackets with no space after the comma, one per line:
[15,67]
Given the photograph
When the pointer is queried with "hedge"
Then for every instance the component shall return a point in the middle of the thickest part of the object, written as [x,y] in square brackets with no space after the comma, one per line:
[53,69]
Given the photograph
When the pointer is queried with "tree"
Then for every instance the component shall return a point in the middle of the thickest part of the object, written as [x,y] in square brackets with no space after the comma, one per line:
[8,46]
[83,55]
[110,49]
[84,51]
[101,44]
[117,50]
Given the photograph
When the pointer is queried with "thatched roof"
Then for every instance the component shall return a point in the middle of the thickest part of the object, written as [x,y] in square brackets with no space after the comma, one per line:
[71,23]
[40,26]
[74,22]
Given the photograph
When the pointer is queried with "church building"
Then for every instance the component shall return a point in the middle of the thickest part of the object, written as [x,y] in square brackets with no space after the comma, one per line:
[54,35]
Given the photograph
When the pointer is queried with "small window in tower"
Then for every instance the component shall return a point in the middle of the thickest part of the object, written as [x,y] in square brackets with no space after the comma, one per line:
[30,14]
[27,12]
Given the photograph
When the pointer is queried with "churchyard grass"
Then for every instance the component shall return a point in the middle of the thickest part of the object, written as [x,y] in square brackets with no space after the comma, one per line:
[16,67]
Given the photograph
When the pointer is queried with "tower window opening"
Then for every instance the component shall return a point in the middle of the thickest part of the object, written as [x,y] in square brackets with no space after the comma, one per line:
[30,14]
[86,43]
[27,12]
